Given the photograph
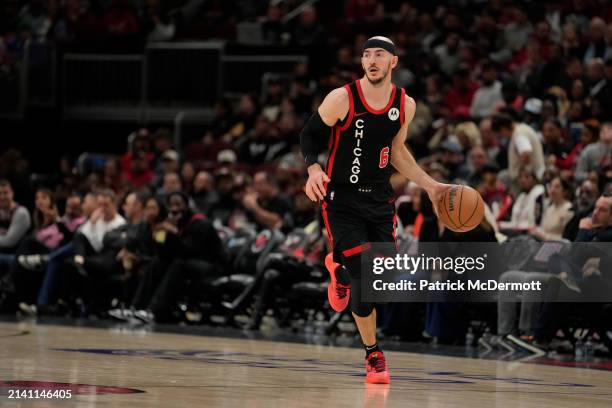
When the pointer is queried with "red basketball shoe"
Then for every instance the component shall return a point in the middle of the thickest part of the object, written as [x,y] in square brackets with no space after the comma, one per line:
[337,293]
[376,369]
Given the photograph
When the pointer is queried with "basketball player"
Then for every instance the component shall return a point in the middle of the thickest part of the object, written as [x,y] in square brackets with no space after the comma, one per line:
[368,121]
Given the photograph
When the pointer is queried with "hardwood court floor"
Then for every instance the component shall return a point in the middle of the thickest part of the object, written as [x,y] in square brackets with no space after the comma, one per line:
[173,370]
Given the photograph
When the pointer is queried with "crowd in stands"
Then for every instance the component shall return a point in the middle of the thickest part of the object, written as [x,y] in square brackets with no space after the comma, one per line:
[512,99]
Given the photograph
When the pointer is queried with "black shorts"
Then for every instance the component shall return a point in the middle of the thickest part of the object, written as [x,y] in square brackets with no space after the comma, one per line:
[356,217]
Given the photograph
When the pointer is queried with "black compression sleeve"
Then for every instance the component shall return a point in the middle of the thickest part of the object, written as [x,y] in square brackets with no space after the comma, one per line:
[313,138]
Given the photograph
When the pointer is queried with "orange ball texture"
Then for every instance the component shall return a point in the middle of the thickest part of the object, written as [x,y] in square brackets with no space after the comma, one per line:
[461,208]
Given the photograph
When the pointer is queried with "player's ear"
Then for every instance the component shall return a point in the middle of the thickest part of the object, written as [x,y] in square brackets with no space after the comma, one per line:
[394,61]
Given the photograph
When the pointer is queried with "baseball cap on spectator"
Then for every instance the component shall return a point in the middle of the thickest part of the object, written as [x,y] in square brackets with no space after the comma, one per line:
[226,156]
[223,172]
[171,155]
[533,105]
[451,145]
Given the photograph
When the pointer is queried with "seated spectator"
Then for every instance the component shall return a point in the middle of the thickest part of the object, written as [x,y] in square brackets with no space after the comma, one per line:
[188,175]
[488,95]
[588,133]
[104,218]
[76,213]
[138,142]
[262,144]
[477,160]
[204,194]
[14,220]
[557,212]
[583,205]
[554,142]
[597,227]
[527,208]
[95,257]
[139,173]
[494,192]
[169,164]
[597,155]
[139,257]
[266,206]
[459,97]
[588,281]
[50,231]
[222,210]
[194,251]
[171,183]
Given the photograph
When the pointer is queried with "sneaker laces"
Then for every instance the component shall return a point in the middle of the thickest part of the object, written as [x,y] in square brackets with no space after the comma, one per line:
[341,290]
[377,361]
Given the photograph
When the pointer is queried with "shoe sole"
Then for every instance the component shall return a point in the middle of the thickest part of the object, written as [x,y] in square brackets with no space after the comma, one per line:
[378,380]
[526,346]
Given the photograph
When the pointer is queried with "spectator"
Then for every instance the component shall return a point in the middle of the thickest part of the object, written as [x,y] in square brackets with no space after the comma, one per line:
[140,173]
[596,156]
[459,97]
[196,251]
[596,47]
[527,209]
[308,30]
[488,95]
[156,23]
[494,192]
[587,281]
[517,32]
[588,133]
[14,220]
[172,183]
[120,20]
[557,212]
[266,206]
[553,140]
[103,219]
[448,54]
[597,227]
[272,25]
[477,160]
[230,193]
[524,149]
[188,175]
[204,194]
[600,89]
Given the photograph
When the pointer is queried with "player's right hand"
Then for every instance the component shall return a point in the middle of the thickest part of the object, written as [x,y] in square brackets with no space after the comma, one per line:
[315,186]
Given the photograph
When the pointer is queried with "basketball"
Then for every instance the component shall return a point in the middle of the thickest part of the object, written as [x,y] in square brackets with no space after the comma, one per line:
[461,208]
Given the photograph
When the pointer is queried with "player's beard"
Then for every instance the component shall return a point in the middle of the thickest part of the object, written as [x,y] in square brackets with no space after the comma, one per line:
[382,78]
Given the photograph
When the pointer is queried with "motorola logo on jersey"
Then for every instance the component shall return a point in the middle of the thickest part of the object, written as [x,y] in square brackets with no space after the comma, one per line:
[356,165]
[393,114]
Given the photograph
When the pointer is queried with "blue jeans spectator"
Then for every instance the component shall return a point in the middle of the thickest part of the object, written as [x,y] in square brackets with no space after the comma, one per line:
[48,289]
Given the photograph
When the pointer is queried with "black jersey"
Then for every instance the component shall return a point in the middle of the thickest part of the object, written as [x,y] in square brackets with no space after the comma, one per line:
[360,145]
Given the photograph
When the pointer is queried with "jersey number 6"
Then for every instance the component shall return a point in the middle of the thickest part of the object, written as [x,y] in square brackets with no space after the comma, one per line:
[384,157]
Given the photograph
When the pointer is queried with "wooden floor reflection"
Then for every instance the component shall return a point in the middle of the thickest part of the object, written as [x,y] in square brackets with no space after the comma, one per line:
[124,368]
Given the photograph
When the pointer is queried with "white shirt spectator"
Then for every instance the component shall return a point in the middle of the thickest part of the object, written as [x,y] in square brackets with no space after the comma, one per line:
[94,232]
[524,210]
[485,99]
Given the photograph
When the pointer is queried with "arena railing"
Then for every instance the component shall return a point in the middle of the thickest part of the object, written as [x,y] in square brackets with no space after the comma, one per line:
[163,81]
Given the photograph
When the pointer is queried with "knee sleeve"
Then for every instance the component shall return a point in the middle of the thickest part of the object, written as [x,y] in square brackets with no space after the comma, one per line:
[360,308]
